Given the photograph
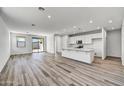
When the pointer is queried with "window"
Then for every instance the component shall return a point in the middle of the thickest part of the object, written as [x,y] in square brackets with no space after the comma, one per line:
[21,42]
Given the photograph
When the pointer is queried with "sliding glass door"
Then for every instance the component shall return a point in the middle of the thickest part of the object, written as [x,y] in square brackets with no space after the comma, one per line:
[37,44]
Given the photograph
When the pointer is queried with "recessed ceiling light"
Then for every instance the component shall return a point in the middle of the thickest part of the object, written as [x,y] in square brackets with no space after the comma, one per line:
[74,32]
[49,16]
[113,28]
[110,21]
[79,28]
[91,21]
[98,27]
[64,29]
[74,26]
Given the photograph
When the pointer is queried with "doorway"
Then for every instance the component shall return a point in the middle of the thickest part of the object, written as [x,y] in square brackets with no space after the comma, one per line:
[114,45]
[37,44]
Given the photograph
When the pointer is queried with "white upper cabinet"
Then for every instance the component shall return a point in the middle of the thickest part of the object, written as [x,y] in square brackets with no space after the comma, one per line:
[97,35]
[65,41]
[72,40]
[86,39]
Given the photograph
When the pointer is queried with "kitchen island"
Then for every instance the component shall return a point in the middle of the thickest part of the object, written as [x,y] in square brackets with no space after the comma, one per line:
[82,55]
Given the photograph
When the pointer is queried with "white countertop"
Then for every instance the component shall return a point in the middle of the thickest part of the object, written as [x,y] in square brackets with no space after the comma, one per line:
[79,49]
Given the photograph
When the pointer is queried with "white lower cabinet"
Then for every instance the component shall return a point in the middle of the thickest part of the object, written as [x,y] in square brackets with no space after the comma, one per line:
[82,56]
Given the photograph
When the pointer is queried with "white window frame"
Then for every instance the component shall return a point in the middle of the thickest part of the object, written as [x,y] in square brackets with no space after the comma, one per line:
[17,42]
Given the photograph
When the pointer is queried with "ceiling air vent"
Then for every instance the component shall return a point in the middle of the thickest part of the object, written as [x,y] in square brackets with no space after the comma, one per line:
[41,8]
[33,24]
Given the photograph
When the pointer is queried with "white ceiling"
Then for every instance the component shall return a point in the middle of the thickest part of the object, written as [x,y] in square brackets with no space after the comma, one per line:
[62,19]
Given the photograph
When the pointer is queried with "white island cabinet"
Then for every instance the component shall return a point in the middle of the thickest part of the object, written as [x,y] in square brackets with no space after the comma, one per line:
[82,55]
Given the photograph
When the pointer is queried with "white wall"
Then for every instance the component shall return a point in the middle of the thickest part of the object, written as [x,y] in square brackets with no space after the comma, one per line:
[15,49]
[4,44]
[50,43]
[114,43]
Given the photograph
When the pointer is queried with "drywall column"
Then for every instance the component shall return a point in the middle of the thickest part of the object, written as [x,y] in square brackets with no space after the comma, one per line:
[104,35]
[51,43]
[122,40]
[55,46]
[58,42]
[45,44]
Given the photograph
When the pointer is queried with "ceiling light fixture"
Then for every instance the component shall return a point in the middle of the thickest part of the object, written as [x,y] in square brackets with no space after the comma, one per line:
[74,26]
[91,21]
[79,28]
[113,28]
[98,27]
[49,16]
[110,21]
[64,29]
[74,32]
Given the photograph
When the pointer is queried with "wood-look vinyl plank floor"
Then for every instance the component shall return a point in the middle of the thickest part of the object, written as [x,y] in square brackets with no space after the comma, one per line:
[44,69]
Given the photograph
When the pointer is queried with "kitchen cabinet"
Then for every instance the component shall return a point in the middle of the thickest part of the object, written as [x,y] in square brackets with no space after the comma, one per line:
[86,39]
[65,41]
